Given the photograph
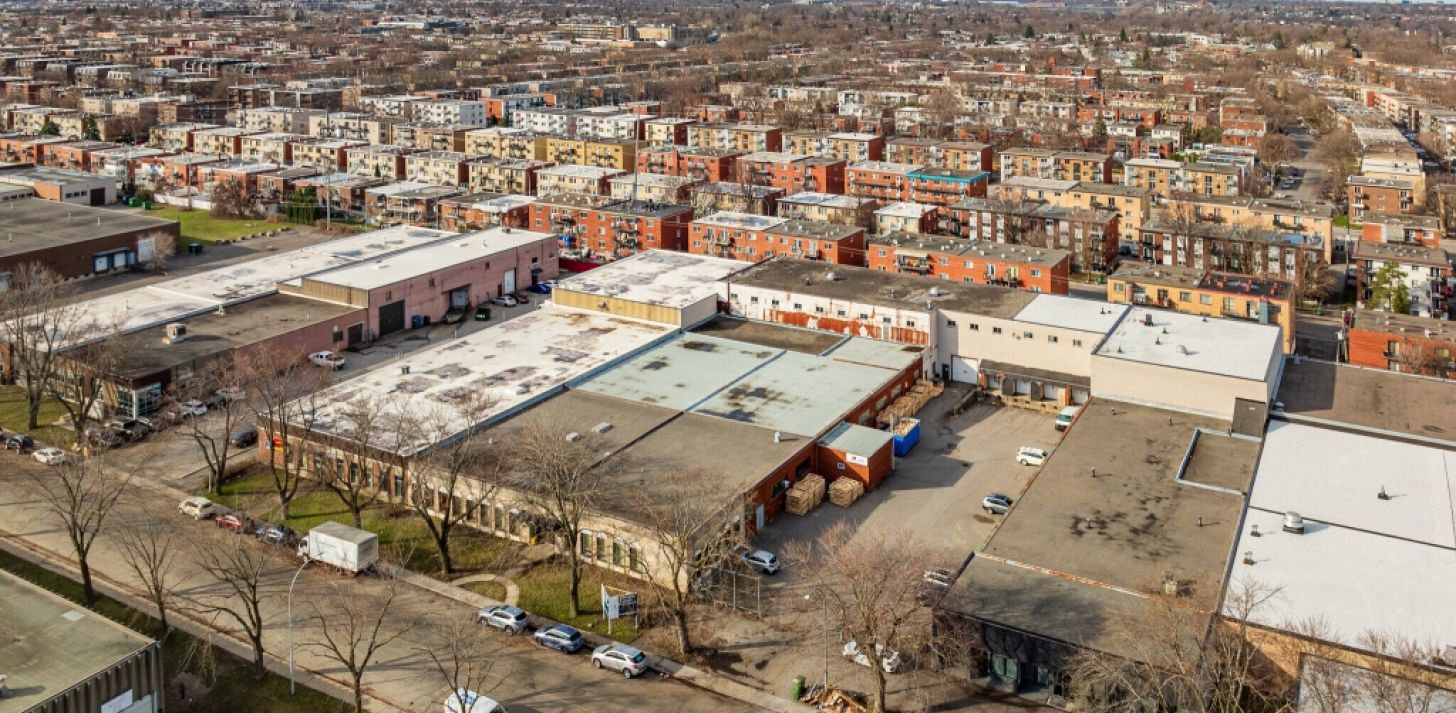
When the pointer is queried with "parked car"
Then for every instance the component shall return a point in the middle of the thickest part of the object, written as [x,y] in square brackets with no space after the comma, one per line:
[996,503]
[935,583]
[228,394]
[1027,455]
[1066,416]
[509,619]
[474,703]
[761,560]
[329,360]
[275,534]
[243,437]
[889,661]
[540,288]
[50,456]
[504,301]
[560,637]
[237,522]
[620,657]
[192,408]
[130,429]
[103,438]
[482,313]
[197,508]
[521,298]
[19,442]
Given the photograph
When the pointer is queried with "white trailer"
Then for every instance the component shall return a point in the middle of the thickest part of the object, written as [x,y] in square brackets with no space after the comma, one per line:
[340,546]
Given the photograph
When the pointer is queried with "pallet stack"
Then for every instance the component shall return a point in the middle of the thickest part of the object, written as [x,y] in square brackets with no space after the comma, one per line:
[911,402]
[845,491]
[805,495]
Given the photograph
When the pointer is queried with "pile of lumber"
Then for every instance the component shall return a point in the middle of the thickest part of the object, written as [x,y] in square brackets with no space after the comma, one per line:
[835,700]
[805,495]
[904,426]
[845,491]
[911,402]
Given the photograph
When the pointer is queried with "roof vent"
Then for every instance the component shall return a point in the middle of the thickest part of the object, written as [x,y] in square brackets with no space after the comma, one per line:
[935,292]
[602,427]
[176,332]
[404,370]
[573,437]
[778,436]
[830,276]
[1293,523]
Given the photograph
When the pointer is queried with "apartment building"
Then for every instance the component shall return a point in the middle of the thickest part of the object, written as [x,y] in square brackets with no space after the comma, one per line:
[879,180]
[702,164]
[1027,163]
[830,208]
[1424,230]
[400,106]
[612,126]
[1231,248]
[73,155]
[572,178]
[1082,166]
[176,137]
[430,137]
[502,109]
[448,111]
[792,173]
[1091,236]
[274,119]
[905,217]
[965,156]
[237,171]
[1426,272]
[222,141]
[496,175]
[972,262]
[709,198]
[1378,195]
[652,187]
[806,142]
[379,161]
[851,147]
[1164,177]
[747,138]
[270,147]
[1402,343]
[353,126]
[745,236]
[506,143]
[1208,293]
[322,153]
[406,203]
[944,186]
[598,226]
[441,168]
[620,154]
[666,131]
[557,122]
[1315,219]
[476,211]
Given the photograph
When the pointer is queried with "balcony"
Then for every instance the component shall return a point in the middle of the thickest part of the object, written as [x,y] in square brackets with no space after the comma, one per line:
[917,265]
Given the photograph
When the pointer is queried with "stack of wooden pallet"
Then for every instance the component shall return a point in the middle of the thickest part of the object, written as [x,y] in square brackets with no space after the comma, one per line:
[805,495]
[835,700]
[911,402]
[904,426]
[845,491]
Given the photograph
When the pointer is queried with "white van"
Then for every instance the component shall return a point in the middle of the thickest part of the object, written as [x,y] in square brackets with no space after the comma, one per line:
[474,703]
[1064,419]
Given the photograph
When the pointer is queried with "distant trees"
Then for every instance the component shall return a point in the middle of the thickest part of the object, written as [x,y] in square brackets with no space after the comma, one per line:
[1388,290]
[230,199]
[1275,150]
[38,317]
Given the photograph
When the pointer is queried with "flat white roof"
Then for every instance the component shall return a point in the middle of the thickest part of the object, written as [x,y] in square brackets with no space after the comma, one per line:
[509,365]
[1363,564]
[572,169]
[399,187]
[501,204]
[432,257]
[172,300]
[829,199]
[905,210]
[1072,313]
[1226,347]
[660,277]
[649,179]
[740,221]
[772,157]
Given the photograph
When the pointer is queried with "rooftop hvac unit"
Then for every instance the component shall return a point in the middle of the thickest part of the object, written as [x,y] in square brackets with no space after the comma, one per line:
[1293,523]
[175,332]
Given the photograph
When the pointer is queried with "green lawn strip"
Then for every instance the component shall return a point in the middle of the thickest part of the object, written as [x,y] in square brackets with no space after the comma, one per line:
[546,592]
[494,590]
[13,417]
[233,689]
[200,226]
[400,530]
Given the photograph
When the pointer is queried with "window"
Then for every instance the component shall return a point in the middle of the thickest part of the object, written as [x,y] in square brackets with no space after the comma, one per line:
[753,299]
[1052,338]
[950,323]
[910,323]
[1205,299]
[1028,335]
[798,306]
[1076,342]
[974,327]
[1036,273]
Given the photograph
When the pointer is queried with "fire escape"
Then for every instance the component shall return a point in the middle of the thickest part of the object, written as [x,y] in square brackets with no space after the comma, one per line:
[626,236]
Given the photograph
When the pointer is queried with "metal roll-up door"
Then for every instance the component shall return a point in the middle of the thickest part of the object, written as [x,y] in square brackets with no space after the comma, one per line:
[964,370]
[391,318]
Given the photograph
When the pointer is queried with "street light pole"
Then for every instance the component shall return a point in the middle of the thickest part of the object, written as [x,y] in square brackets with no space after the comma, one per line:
[290,624]
[825,599]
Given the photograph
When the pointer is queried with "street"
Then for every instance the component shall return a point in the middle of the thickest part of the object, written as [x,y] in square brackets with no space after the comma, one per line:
[529,678]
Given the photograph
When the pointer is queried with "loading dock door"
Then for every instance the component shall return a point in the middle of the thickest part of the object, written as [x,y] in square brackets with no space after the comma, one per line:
[391,318]
[508,281]
[98,196]
[460,298]
[355,334]
[964,370]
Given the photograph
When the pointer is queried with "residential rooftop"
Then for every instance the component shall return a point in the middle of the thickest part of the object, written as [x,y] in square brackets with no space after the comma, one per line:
[1405,325]
[908,243]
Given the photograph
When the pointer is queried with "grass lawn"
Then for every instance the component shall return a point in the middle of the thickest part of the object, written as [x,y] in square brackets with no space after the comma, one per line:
[399,531]
[199,226]
[494,590]
[232,687]
[1343,221]
[13,417]
[546,592]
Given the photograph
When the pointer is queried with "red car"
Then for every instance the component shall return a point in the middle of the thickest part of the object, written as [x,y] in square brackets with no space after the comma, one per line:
[232,521]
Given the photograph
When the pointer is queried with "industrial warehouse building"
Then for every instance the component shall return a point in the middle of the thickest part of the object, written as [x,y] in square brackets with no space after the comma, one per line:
[76,241]
[61,658]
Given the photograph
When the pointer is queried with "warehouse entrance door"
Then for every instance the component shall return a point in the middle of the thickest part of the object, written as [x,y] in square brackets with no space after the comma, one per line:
[508,282]
[391,318]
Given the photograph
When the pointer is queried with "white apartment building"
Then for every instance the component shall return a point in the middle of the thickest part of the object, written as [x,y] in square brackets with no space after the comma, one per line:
[450,111]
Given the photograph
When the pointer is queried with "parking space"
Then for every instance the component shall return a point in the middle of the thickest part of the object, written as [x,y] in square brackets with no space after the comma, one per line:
[936,490]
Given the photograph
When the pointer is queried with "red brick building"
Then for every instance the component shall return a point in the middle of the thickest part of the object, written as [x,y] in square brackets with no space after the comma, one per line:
[972,262]
[596,226]
[791,173]
[944,186]
[1403,343]
[711,165]
[1091,236]
[880,180]
[744,236]
[1421,230]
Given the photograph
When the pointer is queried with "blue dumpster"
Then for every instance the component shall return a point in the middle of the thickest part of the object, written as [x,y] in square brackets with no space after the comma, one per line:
[907,434]
[416,321]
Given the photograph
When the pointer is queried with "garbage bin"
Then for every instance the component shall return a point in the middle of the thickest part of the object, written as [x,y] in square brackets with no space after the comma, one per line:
[194,249]
[797,691]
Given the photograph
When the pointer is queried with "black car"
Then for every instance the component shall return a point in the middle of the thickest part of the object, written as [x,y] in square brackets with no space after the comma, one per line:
[104,437]
[243,437]
[129,429]
[19,442]
[275,534]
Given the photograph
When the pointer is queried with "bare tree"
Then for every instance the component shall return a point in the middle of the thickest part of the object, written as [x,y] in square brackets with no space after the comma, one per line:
[37,320]
[215,383]
[465,660]
[353,625]
[230,199]
[869,582]
[557,475]
[80,381]
[240,570]
[81,495]
[164,248]
[439,477]
[1275,150]
[373,438]
[690,523]
[280,391]
[148,546]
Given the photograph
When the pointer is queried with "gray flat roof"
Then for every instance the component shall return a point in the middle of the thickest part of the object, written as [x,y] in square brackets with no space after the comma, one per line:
[32,224]
[769,334]
[796,393]
[856,439]
[866,286]
[1321,392]
[875,352]
[680,373]
[52,644]
[1134,519]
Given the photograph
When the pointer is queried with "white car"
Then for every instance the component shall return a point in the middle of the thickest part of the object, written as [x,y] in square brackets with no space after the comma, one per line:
[197,508]
[509,619]
[192,408]
[50,456]
[620,657]
[474,703]
[1026,455]
[761,560]
[889,662]
[329,360]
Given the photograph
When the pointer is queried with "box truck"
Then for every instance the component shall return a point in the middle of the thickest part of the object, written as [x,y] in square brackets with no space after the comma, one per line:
[337,545]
